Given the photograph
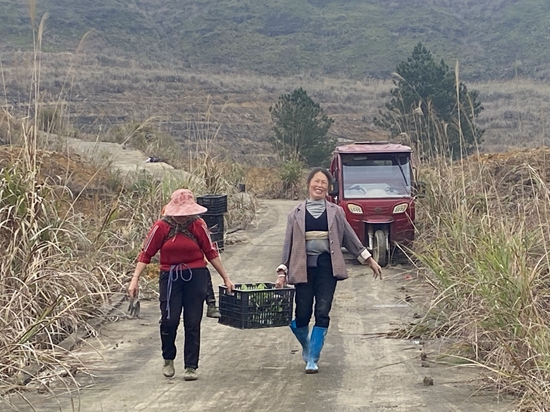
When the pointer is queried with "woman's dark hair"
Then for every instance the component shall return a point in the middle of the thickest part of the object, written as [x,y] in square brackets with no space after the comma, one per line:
[316,170]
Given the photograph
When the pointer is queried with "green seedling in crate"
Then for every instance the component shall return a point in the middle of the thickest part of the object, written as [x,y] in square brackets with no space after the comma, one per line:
[253,286]
[268,306]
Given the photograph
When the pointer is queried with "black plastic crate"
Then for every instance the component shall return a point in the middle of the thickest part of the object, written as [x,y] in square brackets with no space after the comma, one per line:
[252,308]
[216,204]
[216,237]
[214,223]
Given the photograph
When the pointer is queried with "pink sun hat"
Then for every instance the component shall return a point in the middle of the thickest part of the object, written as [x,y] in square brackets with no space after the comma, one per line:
[182,203]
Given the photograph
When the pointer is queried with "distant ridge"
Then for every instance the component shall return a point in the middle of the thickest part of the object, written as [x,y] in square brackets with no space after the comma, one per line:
[351,38]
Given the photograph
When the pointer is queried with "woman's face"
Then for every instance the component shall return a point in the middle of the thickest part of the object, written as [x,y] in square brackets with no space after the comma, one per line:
[181,219]
[318,187]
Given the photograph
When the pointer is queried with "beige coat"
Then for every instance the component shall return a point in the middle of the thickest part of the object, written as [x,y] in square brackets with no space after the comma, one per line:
[340,235]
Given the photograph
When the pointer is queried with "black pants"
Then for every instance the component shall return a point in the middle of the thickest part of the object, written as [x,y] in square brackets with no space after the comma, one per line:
[210,297]
[187,294]
[319,288]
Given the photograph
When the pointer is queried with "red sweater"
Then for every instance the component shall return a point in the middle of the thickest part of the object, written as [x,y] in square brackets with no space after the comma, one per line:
[179,249]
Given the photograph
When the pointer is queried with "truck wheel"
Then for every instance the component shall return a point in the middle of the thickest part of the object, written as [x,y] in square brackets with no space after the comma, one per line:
[380,250]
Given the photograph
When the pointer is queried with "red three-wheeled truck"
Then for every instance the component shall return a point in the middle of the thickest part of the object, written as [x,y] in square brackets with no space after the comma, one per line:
[374,184]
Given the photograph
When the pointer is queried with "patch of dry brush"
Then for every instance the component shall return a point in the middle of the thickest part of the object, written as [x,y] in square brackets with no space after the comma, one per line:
[484,230]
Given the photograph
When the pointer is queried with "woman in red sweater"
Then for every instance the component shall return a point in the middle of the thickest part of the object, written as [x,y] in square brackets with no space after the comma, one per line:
[185,246]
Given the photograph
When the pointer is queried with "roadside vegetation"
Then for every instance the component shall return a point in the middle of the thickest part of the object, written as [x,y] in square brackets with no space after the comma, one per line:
[483,247]
[483,229]
[484,226]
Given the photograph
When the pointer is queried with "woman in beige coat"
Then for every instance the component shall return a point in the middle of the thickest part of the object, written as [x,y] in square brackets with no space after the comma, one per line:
[313,262]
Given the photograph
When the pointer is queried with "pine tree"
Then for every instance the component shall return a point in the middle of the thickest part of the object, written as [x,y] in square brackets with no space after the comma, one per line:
[424,106]
[301,129]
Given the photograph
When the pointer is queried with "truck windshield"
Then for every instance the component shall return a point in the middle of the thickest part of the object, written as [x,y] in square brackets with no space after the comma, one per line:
[376,175]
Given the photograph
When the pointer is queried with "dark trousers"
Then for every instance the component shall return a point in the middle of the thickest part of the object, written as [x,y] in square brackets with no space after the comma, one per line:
[318,290]
[187,294]
[210,297]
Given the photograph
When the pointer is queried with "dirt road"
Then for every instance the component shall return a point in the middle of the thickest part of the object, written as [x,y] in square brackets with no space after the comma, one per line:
[261,369]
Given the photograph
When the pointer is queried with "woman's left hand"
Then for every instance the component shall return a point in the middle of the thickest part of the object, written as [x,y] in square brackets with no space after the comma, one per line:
[376,269]
[229,285]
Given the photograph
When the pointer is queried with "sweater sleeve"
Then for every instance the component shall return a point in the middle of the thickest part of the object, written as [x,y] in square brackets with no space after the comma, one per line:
[201,232]
[153,242]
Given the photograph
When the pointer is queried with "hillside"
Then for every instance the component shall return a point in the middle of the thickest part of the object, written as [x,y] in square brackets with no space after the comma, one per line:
[352,38]
[195,69]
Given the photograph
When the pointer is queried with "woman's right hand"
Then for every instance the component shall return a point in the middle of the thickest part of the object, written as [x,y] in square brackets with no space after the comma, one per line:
[133,289]
[281,279]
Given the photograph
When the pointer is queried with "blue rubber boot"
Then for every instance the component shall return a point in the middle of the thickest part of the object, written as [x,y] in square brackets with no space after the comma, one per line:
[316,342]
[302,334]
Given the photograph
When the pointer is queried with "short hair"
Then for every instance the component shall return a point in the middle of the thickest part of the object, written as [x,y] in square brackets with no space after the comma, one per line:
[316,170]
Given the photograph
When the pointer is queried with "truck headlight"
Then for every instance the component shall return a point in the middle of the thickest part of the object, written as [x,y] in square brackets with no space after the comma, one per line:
[356,209]
[400,208]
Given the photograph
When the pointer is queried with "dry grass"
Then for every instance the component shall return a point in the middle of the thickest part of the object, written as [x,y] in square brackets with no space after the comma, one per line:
[483,235]
[49,248]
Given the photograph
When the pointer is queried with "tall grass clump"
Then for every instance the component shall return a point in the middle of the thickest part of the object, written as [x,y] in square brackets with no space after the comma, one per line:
[51,283]
[291,173]
[485,229]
